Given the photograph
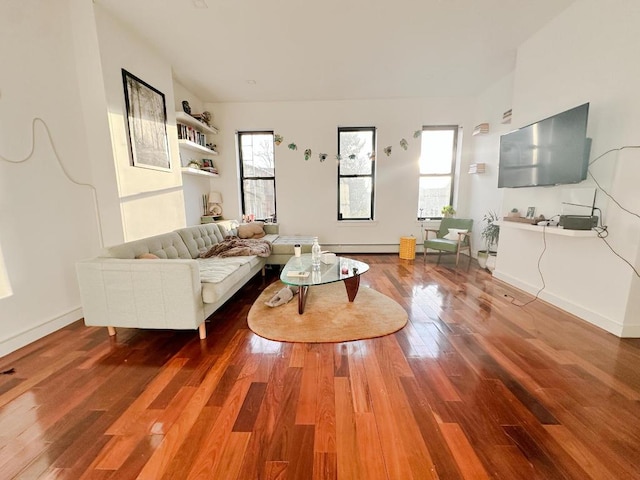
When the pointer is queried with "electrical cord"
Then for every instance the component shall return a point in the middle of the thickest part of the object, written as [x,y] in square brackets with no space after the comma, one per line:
[602,230]
[62,167]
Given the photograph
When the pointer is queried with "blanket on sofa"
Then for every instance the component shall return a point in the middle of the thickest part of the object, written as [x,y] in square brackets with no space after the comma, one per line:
[235,247]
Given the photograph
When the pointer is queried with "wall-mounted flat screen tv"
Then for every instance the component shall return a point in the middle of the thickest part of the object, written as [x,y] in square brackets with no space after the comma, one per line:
[553,151]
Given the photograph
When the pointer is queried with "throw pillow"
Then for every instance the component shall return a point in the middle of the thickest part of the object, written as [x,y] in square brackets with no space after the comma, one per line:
[147,256]
[453,233]
[251,230]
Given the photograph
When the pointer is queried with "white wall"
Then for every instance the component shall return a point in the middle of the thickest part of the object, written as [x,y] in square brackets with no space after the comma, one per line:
[586,55]
[306,191]
[151,201]
[46,221]
[483,188]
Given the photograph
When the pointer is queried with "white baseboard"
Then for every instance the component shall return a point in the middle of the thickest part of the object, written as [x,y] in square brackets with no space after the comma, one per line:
[594,318]
[30,335]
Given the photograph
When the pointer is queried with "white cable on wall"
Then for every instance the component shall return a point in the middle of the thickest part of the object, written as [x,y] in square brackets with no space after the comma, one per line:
[62,167]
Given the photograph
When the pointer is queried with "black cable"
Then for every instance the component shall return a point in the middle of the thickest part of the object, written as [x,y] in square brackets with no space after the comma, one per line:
[537,295]
[611,197]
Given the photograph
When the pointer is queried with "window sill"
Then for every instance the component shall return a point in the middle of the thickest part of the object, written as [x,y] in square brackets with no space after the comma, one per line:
[357,223]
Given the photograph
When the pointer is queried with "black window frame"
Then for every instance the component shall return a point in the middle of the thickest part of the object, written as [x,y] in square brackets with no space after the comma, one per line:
[372,175]
[452,172]
[262,178]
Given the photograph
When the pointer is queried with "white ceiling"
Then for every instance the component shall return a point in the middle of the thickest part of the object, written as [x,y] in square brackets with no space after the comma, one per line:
[287,50]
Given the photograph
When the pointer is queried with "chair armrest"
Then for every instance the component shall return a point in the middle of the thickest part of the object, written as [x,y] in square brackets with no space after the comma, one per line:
[427,230]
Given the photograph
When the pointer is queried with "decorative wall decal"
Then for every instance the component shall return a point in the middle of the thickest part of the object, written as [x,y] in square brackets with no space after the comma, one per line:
[404,144]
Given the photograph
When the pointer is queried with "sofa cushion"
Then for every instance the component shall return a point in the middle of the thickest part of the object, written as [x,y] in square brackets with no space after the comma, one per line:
[251,230]
[219,274]
[147,256]
[200,238]
[167,245]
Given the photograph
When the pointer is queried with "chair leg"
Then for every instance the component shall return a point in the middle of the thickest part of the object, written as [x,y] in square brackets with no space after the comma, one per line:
[439,255]
[457,257]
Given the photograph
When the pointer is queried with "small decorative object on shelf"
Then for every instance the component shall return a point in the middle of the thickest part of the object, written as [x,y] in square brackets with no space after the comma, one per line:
[513,213]
[194,164]
[387,150]
[292,146]
[477,168]
[186,108]
[307,154]
[506,116]
[481,129]
[404,144]
[278,139]
[322,156]
[204,117]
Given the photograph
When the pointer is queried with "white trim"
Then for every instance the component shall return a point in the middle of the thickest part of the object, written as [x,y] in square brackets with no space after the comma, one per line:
[607,324]
[30,335]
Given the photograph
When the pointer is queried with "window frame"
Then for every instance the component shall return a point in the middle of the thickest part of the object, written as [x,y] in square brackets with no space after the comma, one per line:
[452,171]
[371,175]
[239,135]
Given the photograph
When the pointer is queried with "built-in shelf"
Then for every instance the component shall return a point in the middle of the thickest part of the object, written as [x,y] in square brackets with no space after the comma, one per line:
[195,171]
[182,117]
[189,145]
[547,230]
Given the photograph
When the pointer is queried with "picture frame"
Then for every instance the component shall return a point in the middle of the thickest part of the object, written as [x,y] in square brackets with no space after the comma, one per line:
[531,212]
[146,124]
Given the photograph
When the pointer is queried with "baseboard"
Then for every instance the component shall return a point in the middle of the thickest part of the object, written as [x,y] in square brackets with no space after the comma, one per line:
[30,335]
[600,321]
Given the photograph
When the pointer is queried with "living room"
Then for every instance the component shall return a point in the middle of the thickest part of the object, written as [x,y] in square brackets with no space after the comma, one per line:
[68,189]
[580,56]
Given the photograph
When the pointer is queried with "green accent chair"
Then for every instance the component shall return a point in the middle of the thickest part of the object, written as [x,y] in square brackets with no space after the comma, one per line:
[461,241]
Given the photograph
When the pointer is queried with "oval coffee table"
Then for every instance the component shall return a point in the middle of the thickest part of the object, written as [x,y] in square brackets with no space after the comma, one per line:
[299,272]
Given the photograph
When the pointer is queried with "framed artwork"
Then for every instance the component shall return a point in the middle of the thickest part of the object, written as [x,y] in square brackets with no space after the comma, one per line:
[531,212]
[147,124]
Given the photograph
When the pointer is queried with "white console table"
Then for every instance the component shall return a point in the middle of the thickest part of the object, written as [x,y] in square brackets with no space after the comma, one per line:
[573,281]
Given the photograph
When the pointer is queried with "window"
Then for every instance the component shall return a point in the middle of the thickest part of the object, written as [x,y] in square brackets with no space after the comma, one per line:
[356,173]
[257,174]
[437,165]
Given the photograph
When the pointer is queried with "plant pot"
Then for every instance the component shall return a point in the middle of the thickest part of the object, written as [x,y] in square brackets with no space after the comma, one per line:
[482,258]
[491,262]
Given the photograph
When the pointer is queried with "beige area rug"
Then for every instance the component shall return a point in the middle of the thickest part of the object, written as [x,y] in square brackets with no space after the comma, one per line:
[328,315]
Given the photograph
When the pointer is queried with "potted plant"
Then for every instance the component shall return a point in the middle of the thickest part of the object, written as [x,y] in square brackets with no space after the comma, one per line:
[513,213]
[490,234]
[448,211]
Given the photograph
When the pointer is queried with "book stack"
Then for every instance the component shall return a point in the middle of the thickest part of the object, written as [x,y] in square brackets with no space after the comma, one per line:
[185,132]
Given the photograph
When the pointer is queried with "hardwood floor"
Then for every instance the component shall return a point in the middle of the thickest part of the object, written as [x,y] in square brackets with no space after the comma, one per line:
[473,387]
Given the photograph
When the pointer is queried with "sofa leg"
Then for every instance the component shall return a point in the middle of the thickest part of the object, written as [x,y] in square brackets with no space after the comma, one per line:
[264,271]
[202,331]
[112,331]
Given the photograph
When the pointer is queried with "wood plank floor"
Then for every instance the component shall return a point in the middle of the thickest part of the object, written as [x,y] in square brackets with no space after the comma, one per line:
[473,387]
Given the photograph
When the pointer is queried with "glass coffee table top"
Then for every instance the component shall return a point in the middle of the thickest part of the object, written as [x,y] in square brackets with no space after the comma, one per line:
[342,269]
[299,272]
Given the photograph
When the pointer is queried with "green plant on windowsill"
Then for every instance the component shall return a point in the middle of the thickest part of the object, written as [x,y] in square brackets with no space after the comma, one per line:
[490,233]
[448,211]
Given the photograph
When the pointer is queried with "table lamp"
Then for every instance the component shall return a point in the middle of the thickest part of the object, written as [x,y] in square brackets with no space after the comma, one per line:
[214,201]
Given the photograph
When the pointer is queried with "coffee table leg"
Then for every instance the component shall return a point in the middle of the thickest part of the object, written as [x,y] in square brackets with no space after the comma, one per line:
[352,284]
[302,299]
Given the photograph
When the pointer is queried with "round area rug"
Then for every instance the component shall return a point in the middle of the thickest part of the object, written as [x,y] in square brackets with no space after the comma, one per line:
[328,315]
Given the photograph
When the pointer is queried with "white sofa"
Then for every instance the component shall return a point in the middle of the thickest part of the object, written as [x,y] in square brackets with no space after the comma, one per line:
[178,290]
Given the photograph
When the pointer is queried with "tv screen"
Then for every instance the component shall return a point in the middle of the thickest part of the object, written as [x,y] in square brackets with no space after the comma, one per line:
[552,151]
